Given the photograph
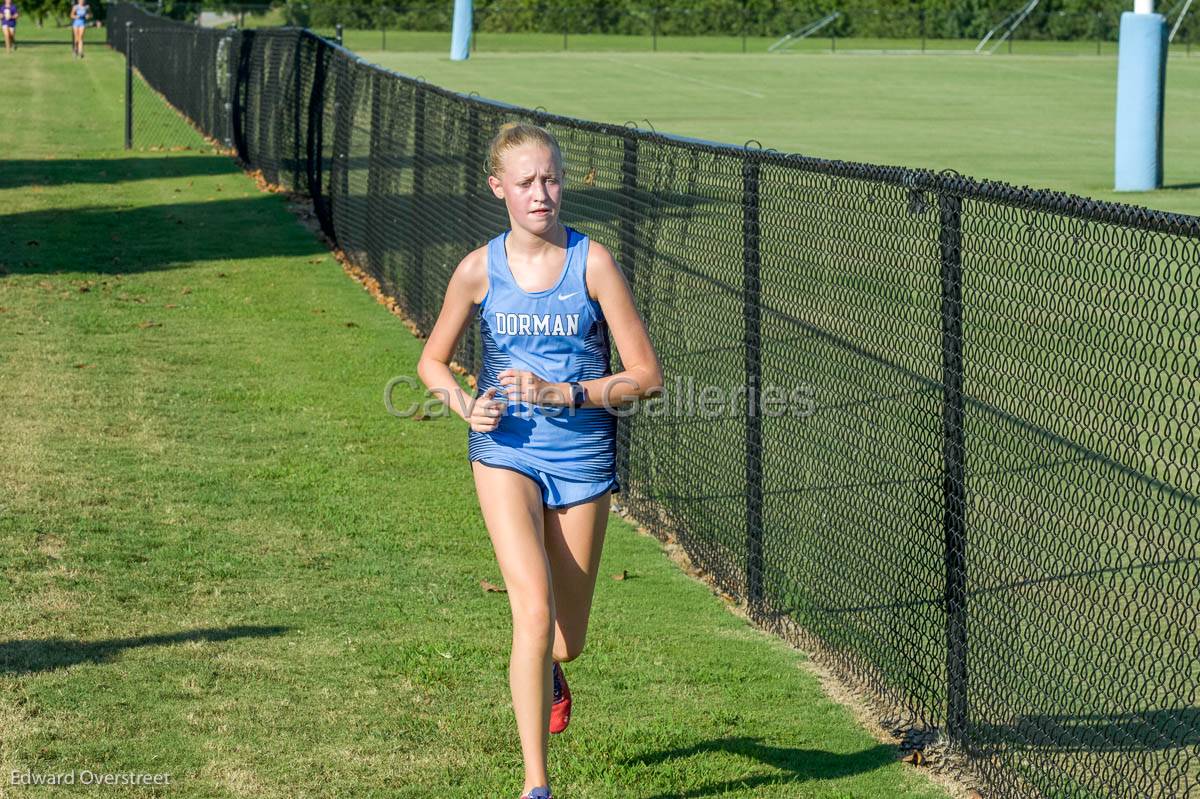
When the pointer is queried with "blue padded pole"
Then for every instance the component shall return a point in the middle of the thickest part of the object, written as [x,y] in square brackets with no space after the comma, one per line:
[1141,77]
[460,38]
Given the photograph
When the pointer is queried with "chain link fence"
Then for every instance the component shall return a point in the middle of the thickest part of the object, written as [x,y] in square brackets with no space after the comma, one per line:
[158,58]
[941,431]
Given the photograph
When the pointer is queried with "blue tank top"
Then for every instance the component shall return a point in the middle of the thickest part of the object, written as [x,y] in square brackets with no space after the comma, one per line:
[560,335]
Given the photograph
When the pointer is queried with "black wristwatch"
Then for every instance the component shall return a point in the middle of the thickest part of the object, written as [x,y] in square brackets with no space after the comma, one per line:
[578,395]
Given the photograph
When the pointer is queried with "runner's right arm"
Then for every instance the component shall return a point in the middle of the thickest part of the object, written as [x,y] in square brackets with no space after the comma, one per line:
[465,290]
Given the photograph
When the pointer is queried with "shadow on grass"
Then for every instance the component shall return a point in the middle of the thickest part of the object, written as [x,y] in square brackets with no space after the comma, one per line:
[61,172]
[65,43]
[47,654]
[798,765]
[109,240]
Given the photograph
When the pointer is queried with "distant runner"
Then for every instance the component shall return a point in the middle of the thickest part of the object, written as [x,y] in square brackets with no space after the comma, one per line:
[79,15]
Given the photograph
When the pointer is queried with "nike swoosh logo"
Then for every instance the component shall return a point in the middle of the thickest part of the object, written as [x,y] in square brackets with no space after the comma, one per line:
[567,296]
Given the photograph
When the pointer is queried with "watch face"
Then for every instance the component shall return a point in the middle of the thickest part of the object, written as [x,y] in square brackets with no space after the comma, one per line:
[577,394]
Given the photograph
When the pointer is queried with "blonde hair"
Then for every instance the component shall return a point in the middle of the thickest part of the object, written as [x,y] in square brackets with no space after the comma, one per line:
[514,134]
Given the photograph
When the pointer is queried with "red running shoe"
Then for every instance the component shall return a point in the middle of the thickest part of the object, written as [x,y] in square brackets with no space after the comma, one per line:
[560,710]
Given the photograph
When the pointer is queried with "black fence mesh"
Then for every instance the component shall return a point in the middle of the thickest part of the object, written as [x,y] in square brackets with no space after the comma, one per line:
[942,431]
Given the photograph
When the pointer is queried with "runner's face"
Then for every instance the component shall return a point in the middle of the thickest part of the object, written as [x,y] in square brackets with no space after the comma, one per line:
[532,187]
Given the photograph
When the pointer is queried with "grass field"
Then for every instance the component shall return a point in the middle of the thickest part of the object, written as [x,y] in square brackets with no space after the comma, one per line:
[225,562]
[488,42]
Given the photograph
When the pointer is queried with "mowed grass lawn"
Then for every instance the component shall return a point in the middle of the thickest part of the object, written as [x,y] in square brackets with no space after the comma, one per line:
[1038,120]
[225,562]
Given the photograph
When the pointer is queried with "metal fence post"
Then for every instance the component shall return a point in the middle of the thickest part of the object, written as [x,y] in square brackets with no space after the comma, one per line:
[751,294]
[128,85]
[234,61]
[472,167]
[415,283]
[954,490]
[315,144]
[627,242]
[376,166]
[338,29]
[298,146]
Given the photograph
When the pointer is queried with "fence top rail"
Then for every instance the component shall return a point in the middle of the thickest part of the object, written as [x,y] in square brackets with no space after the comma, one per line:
[917,180]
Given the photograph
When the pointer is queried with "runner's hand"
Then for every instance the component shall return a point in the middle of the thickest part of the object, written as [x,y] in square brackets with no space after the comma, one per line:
[486,412]
[524,386]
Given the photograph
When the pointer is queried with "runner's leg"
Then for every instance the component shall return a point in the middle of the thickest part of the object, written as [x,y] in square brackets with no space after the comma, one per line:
[513,512]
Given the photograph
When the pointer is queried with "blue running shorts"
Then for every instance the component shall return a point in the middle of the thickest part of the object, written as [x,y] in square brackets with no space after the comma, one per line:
[557,492]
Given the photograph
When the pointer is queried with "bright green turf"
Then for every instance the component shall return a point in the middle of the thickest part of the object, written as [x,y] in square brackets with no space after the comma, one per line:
[1042,121]
[488,42]
[223,560]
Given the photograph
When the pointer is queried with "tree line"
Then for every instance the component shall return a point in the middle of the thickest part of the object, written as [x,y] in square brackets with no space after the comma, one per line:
[887,19]
[949,19]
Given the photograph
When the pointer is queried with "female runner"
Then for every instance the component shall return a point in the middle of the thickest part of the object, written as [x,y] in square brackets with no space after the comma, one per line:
[79,15]
[542,438]
[8,22]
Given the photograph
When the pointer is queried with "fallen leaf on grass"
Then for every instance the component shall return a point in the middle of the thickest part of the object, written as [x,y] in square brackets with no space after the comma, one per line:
[186,291]
[32,243]
[46,285]
[318,310]
[170,305]
[3,309]
[147,324]
[316,260]
[624,574]
[352,324]
[488,587]
[85,366]
[916,758]
[222,274]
